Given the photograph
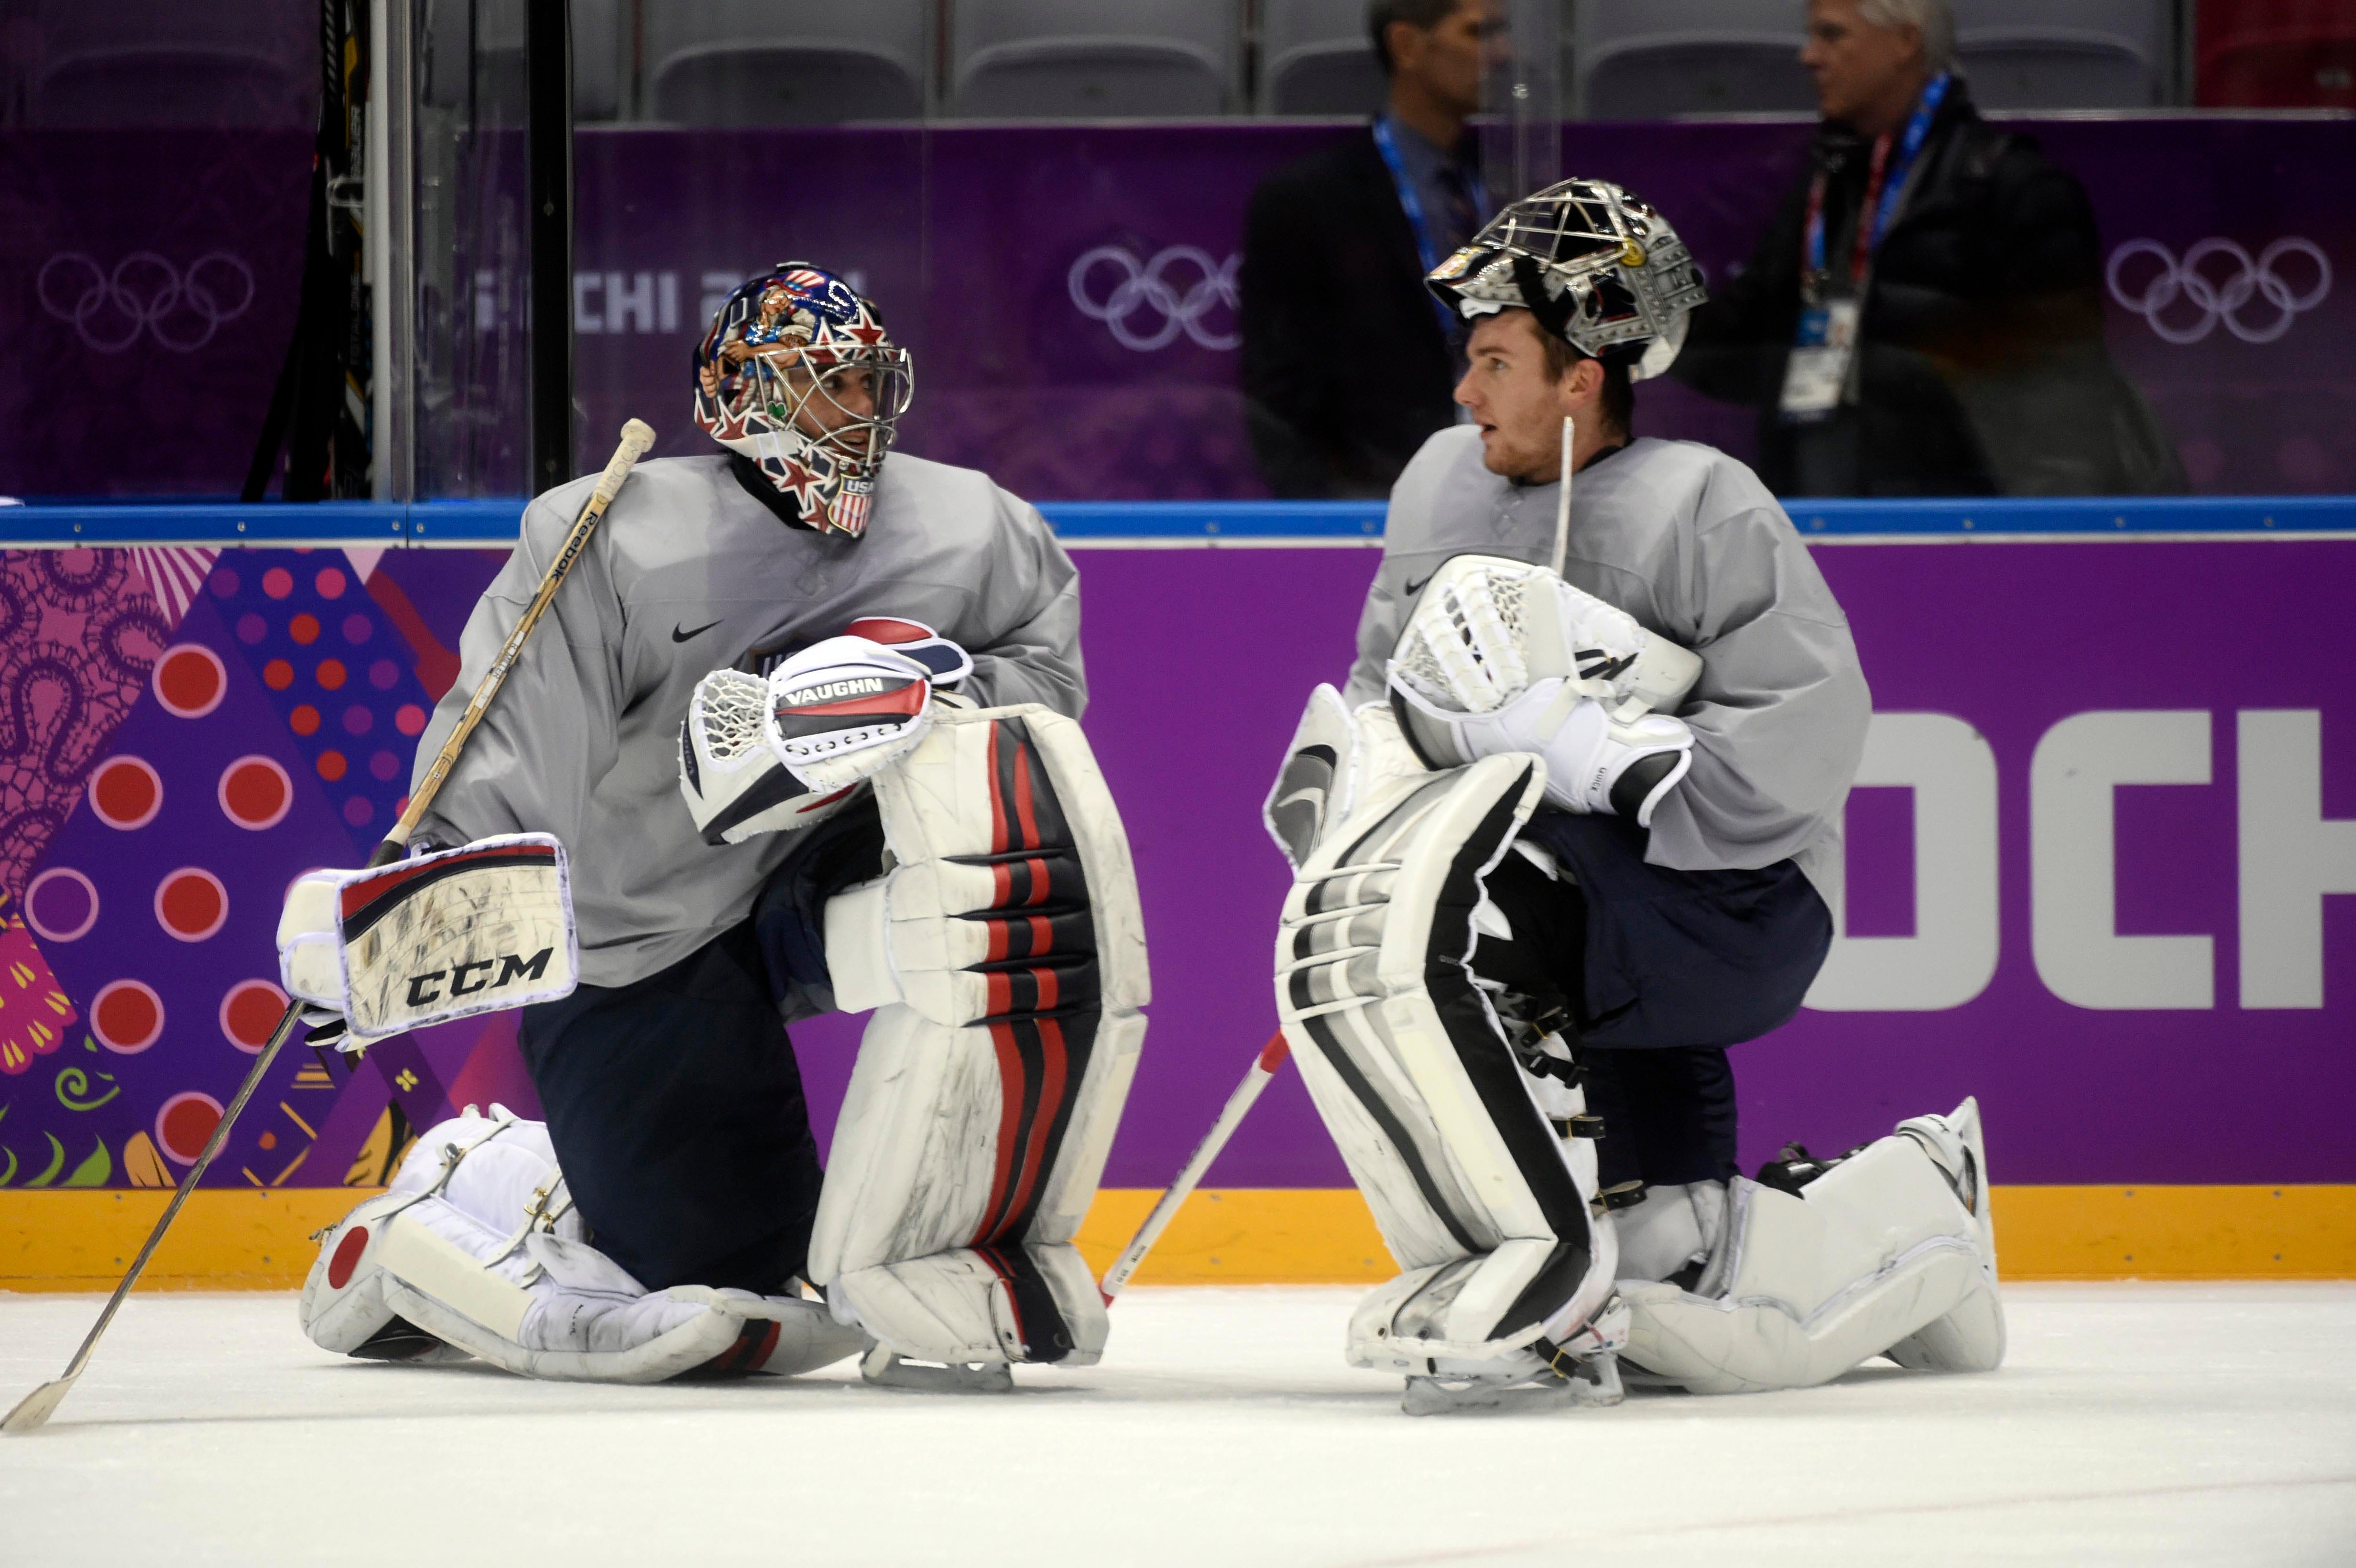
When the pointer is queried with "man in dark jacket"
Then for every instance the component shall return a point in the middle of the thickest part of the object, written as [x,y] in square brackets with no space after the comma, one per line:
[1923,315]
[1348,363]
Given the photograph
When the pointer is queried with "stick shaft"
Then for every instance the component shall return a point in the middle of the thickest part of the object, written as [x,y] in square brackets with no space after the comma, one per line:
[1562,504]
[636,438]
[1262,1070]
[278,1037]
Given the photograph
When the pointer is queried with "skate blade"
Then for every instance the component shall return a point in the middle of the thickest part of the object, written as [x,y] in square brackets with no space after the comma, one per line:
[1454,1396]
[33,1411]
[885,1368]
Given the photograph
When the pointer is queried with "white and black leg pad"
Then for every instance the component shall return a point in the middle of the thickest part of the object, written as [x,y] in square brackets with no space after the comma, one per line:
[1475,1192]
[475,1250]
[1889,1252]
[1005,958]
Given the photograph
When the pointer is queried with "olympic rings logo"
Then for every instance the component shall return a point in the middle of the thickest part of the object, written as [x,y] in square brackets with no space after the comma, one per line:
[145,293]
[1148,285]
[2221,298]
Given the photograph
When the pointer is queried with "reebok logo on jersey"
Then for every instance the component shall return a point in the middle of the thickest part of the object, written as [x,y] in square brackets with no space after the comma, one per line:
[834,690]
[678,634]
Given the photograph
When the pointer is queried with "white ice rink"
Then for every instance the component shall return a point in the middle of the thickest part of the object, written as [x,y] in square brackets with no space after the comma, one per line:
[2132,1423]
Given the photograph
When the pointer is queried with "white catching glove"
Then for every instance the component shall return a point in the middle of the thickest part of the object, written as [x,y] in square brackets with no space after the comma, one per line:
[1486,628]
[768,755]
[1595,763]
[423,941]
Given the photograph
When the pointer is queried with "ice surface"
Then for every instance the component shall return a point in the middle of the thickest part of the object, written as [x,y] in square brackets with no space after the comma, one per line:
[2139,1423]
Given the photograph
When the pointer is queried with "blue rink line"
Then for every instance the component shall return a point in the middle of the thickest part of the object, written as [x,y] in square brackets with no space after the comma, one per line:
[1166,524]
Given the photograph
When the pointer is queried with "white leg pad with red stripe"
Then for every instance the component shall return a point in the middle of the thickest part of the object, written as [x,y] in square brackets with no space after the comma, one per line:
[475,1250]
[1005,958]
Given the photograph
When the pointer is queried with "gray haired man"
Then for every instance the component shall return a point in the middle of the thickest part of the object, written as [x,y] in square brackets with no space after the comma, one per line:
[1923,315]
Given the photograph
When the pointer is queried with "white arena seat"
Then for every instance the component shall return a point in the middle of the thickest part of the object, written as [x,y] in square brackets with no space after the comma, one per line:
[490,34]
[2030,55]
[1646,60]
[1317,59]
[1092,59]
[155,62]
[786,62]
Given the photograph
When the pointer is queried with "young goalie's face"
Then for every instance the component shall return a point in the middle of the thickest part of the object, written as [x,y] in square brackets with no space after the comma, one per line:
[1515,397]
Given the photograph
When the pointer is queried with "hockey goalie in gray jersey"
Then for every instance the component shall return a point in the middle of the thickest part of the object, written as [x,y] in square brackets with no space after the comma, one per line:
[801,737]
[1572,829]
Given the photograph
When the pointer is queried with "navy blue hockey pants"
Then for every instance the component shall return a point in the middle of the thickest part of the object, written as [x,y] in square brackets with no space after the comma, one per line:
[675,1103]
[1661,971]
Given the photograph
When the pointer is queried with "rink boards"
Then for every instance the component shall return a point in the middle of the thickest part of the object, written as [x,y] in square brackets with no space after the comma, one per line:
[2110,793]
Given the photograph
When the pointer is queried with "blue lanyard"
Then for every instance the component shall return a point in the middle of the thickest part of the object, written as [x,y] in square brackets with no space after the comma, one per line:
[1892,184]
[1413,206]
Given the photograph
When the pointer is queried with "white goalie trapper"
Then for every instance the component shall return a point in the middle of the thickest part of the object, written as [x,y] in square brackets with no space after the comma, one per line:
[441,936]
[1487,628]
[778,752]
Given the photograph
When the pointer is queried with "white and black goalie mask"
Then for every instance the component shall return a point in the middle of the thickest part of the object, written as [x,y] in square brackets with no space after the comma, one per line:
[1597,268]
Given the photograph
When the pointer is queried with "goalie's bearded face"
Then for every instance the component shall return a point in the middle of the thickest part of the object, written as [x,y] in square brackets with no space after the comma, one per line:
[835,410]
[1516,399]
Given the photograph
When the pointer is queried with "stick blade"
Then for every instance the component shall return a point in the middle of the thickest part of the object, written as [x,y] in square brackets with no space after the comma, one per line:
[33,1411]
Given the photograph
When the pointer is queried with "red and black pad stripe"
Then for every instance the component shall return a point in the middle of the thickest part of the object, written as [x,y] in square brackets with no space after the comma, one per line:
[880,698]
[1026,811]
[1033,933]
[369,901]
[1038,1322]
[1031,881]
[1046,1000]
[755,1343]
[1063,984]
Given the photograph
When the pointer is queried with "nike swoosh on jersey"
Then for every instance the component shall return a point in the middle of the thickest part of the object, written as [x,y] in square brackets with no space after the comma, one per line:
[1414,588]
[679,636]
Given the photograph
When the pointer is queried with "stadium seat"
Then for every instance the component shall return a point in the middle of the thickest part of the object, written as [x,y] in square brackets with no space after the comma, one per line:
[2276,54]
[1090,60]
[187,88]
[1316,58]
[1645,60]
[471,52]
[160,63]
[786,62]
[2024,56]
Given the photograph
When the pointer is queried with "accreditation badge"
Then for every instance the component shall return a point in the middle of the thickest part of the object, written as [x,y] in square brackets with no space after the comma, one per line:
[1817,372]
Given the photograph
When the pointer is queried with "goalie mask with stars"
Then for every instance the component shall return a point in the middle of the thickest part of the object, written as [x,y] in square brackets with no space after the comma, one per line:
[797,374]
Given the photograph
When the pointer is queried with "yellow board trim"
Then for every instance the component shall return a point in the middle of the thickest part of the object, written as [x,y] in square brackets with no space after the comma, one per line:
[230,1240]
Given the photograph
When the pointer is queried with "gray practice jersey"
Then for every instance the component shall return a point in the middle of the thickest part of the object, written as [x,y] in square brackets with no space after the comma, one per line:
[1690,543]
[687,573]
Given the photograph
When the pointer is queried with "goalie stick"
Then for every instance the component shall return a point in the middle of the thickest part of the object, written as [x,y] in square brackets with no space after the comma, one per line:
[1263,1069]
[35,1409]
[1562,504]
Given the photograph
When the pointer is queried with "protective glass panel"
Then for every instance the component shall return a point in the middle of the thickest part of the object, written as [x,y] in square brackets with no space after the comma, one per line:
[1052,203]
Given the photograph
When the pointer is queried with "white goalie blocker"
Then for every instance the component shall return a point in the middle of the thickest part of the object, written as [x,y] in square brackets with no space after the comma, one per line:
[436,937]
[1890,1253]
[1509,1279]
[475,1250]
[1003,956]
